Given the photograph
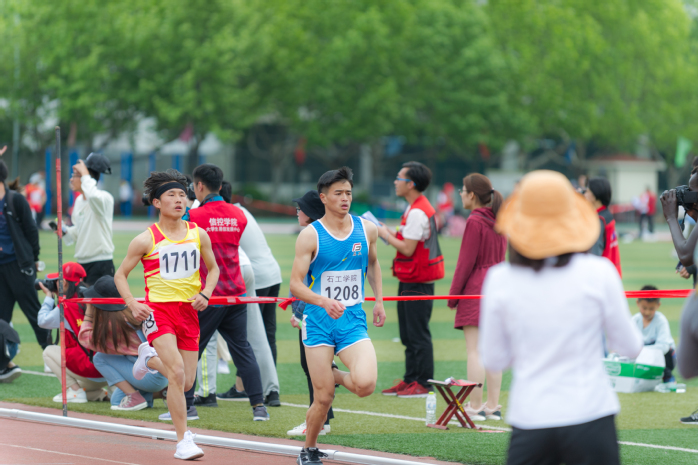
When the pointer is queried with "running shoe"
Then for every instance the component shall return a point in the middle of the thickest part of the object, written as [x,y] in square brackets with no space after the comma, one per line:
[131,402]
[10,374]
[401,385]
[414,389]
[186,449]
[223,367]
[272,400]
[301,429]
[191,415]
[311,456]
[140,368]
[73,397]
[493,414]
[206,401]
[233,394]
[335,367]
[692,419]
[474,414]
[259,413]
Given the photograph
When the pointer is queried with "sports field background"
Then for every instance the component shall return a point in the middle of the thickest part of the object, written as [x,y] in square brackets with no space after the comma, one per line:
[647,418]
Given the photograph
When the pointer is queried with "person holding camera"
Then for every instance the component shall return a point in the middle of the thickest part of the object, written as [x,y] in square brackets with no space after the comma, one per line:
[84,382]
[687,197]
[19,253]
[92,217]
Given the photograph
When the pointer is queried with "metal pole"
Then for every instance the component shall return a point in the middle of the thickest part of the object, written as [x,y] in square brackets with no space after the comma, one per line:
[15,124]
[59,208]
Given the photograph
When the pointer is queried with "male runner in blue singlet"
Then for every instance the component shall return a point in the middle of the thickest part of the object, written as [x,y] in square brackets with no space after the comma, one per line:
[336,253]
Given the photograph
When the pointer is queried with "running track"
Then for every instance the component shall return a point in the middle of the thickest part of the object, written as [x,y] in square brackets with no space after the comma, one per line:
[26,442]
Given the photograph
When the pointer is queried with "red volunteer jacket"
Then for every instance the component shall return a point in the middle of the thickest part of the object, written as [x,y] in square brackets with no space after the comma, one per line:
[76,356]
[224,224]
[611,249]
[426,263]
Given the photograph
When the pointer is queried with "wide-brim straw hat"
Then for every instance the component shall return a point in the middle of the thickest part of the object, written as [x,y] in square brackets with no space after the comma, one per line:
[545,217]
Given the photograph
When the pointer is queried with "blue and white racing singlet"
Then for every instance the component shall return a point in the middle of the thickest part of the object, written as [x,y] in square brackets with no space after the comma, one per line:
[339,268]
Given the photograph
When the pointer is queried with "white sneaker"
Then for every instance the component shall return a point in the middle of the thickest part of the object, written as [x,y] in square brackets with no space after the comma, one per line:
[474,414]
[74,397]
[301,429]
[186,449]
[223,367]
[47,370]
[140,369]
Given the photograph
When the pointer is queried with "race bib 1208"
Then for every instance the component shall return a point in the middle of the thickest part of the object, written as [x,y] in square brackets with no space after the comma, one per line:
[179,261]
[344,286]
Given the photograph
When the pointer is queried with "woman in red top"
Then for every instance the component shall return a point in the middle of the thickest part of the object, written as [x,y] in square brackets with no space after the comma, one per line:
[481,249]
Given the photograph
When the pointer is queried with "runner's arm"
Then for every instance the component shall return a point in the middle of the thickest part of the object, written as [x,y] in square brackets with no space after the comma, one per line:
[199,302]
[138,247]
[375,279]
[306,246]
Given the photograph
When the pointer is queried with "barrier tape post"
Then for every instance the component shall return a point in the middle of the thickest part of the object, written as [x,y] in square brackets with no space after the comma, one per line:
[59,208]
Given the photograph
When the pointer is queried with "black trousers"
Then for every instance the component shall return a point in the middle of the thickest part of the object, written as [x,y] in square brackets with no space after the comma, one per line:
[304,364]
[592,443]
[669,362]
[16,286]
[269,315]
[96,270]
[413,318]
[650,222]
[231,323]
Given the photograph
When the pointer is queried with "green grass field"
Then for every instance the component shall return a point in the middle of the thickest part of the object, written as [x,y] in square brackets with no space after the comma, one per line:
[649,418]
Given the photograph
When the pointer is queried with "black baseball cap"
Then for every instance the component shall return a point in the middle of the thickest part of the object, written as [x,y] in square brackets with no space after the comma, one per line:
[98,162]
[105,288]
[311,205]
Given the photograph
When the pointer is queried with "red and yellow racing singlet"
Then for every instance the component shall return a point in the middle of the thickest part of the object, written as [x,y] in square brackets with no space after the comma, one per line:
[171,268]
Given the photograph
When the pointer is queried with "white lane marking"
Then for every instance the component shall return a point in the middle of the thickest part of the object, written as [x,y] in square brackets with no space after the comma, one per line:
[38,373]
[65,453]
[654,446]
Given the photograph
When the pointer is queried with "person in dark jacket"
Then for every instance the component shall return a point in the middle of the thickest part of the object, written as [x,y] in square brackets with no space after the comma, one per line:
[481,249]
[19,253]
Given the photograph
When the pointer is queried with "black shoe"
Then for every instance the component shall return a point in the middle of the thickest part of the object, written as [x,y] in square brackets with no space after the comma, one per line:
[9,374]
[311,455]
[691,419]
[232,394]
[272,400]
[208,401]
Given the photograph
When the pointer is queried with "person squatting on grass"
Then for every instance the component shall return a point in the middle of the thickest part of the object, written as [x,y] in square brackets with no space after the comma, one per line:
[19,253]
[544,314]
[9,346]
[92,218]
[338,252]
[225,224]
[310,208]
[418,263]
[84,382]
[655,330]
[114,334]
[171,251]
[481,249]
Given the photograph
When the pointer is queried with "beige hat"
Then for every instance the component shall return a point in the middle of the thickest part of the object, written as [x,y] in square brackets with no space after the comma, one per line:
[545,217]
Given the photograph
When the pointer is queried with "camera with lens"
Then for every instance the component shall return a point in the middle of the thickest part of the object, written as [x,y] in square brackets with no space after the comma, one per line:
[686,197]
[51,284]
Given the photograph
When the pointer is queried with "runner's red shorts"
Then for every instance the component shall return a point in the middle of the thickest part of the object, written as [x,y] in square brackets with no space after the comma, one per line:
[178,318]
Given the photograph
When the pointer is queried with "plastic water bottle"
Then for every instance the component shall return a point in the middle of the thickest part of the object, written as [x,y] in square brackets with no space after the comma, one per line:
[431,408]
[680,388]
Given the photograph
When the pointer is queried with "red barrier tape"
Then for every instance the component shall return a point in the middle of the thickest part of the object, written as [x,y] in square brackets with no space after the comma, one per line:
[286,301]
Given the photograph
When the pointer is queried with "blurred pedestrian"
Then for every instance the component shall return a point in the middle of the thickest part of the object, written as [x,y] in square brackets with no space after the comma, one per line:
[544,314]
[648,201]
[35,192]
[93,213]
[125,198]
[417,264]
[19,255]
[599,195]
[481,249]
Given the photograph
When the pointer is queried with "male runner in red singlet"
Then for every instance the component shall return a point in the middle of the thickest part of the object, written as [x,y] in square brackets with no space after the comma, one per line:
[170,251]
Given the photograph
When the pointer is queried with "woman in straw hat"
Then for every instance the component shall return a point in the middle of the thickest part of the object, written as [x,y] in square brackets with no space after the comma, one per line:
[544,315]
[481,249]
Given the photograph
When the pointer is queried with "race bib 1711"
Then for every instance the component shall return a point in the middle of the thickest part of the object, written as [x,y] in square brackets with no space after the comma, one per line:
[179,261]
[344,286]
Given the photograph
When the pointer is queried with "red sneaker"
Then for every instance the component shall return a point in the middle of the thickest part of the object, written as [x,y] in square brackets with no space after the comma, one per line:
[414,389]
[393,390]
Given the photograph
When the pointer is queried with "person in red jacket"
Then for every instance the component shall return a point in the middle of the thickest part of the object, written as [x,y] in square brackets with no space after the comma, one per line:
[84,382]
[417,264]
[481,249]
[599,195]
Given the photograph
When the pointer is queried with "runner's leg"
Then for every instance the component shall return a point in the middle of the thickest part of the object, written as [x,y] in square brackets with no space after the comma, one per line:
[360,358]
[320,367]
[170,363]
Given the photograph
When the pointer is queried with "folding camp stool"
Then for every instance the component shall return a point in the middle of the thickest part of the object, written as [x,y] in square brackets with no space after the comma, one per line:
[454,402]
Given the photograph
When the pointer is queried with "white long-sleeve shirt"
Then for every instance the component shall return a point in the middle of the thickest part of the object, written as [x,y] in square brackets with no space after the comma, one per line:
[49,316]
[92,217]
[548,327]
[657,333]
[266,269]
